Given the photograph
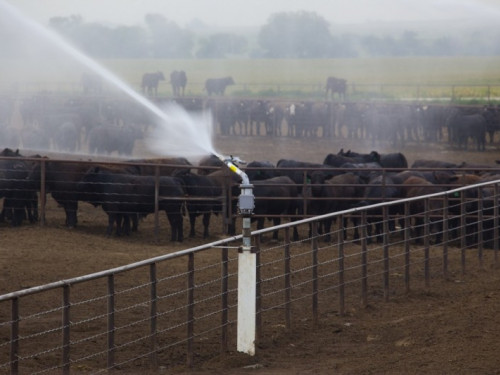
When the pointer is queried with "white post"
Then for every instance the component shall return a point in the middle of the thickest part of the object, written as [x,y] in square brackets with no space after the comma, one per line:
[247,289]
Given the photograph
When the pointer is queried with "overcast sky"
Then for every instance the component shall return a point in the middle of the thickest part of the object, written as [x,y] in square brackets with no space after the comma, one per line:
[243,13]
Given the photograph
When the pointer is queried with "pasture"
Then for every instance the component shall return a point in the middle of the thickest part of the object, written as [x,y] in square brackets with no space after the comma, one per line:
[374,77]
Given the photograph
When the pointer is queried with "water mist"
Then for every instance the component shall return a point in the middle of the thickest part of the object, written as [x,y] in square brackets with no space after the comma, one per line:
[178,132]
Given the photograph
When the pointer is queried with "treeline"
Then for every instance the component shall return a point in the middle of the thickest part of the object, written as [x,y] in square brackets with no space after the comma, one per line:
[285,35]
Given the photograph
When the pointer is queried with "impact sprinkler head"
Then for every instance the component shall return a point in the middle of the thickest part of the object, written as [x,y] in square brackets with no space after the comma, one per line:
[246,202]
[237,160]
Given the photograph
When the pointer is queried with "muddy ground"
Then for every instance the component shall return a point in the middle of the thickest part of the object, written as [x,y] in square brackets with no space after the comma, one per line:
[452,329]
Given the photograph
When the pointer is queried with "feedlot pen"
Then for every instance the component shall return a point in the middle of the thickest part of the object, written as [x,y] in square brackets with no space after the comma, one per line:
[179,309]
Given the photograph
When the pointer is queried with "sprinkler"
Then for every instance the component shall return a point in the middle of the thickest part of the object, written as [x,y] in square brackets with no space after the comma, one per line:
[247,264]
[246,199]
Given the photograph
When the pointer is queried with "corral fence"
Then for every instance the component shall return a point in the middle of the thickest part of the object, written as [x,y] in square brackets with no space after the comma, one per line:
[180,309]
[355,91]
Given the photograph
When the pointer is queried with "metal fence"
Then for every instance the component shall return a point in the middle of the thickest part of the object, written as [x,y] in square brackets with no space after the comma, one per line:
[355,90]
[180,309]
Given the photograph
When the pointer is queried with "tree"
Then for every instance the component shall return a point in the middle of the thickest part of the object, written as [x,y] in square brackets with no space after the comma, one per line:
[295,35]
[167,38]
[220,45]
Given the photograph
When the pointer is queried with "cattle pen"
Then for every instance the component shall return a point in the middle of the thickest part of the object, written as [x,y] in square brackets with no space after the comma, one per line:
[168,311]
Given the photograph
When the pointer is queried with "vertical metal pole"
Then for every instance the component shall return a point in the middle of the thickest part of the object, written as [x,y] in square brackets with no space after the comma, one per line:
[463,231]
[426,243]
[14,337]
[224,298]
[153,316]
[157,202]
[288,284]
[407,239]
[445,236]
[364,261]
[66,331]
[386,253]
[258,300]
[111,322]
[480,217]
[43,192]
[341,265]
[314,251]
[190,311]
[495,223]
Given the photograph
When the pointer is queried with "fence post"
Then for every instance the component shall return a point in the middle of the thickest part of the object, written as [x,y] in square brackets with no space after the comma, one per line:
[190,310]
[14,337]
[480,227]
[247,292]
[153,315]
[364,261]
[386,253]
[445,236]
[43,197]
[111,321]
[426,243]
[66,331]
[258,300]
[224,298]
[157,202]
[407,239]
[341,265]
[495,223]
[463,231]
[314,249]
[288,287]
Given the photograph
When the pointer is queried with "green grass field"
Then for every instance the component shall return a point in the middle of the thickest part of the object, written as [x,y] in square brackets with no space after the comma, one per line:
[366,77]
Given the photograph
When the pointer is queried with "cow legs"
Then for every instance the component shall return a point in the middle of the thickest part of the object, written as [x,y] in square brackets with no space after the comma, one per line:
[176,227]
[206,223]
[192,222]
[71,209]
[111,223]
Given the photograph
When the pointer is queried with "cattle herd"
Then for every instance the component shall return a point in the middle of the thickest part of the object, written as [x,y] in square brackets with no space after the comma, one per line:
[290,189]
[97,123]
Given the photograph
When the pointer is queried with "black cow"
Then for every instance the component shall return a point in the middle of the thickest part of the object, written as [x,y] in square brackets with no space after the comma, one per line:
[275,197]
[150,82]
[126,194]
[350,157]
[300,171]
[110,138]
[167,166]
[19,193]
[338,193]
[391,160]
[218,86]
[260,170]
[431,163]
[178,80]
[336,85]
[200,188]
[209,161]
[416,186]
[462,126]
[381,188]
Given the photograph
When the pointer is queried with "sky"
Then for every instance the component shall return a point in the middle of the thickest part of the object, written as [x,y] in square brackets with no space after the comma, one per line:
[255,13]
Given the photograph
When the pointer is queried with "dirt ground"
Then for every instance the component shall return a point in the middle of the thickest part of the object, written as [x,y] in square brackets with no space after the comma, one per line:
[452,329]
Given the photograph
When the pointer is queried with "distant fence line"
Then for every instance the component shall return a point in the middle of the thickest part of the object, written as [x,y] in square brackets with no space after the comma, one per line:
[355,91]
[164,309]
